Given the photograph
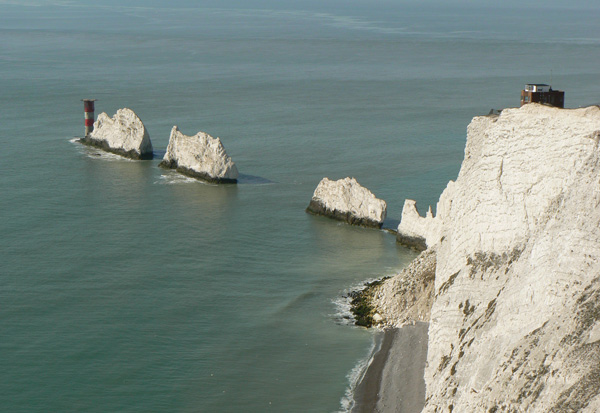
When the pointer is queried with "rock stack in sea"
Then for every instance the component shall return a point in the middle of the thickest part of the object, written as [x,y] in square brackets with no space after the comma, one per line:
[415,231]
[123,134]
[346,200]
[515,314]
[199,156]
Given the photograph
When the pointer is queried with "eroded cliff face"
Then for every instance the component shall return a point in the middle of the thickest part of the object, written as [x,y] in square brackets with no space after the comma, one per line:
[515,319]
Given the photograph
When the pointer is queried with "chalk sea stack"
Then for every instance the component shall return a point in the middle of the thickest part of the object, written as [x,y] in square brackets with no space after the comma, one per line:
[514,317]
[414,230]
[346,200]
[199,156]
[123,134]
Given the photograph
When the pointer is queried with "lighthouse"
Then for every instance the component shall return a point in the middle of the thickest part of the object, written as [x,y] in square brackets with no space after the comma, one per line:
[88,115]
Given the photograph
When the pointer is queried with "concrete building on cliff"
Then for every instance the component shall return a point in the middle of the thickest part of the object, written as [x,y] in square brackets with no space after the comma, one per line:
[542,93]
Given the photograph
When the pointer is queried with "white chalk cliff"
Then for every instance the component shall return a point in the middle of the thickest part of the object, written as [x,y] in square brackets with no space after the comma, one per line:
[346,200]
[515,319]
[124,134]
[200,156]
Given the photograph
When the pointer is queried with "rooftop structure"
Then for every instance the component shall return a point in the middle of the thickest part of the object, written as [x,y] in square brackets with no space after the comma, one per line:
[542,93]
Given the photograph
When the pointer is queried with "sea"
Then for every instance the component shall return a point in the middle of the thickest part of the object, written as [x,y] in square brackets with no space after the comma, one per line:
[125,287]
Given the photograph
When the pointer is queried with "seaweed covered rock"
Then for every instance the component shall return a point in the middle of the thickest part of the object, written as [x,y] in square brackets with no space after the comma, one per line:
[123,134]
[199,156]
[362,305]
[346,200]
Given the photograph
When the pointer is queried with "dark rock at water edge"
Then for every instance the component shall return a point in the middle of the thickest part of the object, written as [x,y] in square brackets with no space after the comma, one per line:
[412,241]
[317,208]
[172,164]
[101,144]
[361,305]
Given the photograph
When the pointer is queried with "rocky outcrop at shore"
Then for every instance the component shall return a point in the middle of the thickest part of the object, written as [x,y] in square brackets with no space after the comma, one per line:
[123,134]
[515,318]
[199,156]
[419,232]
[346,200]
[403,299]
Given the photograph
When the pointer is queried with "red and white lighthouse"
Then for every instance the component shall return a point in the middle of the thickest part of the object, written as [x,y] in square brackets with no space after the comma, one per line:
[88,110]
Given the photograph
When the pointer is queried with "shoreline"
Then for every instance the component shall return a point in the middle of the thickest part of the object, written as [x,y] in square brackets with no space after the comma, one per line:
[394,380]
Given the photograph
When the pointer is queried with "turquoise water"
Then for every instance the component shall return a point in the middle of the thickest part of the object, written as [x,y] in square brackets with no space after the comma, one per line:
[125,287]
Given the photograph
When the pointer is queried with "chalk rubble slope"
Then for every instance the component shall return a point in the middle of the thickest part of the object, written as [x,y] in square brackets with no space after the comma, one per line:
[123,134]
[199,156]
[346,200]
[407,297]
[515,320]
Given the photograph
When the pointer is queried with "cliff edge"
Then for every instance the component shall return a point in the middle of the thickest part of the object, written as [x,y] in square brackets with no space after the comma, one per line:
[515,313]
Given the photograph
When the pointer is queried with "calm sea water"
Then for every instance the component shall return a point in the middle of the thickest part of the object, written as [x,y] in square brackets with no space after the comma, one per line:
[124,287]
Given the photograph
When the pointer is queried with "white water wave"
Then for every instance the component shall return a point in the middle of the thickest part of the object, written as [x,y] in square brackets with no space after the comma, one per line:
[343,315]
[357,374]
[342,302]
[95,153]
[175,178]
